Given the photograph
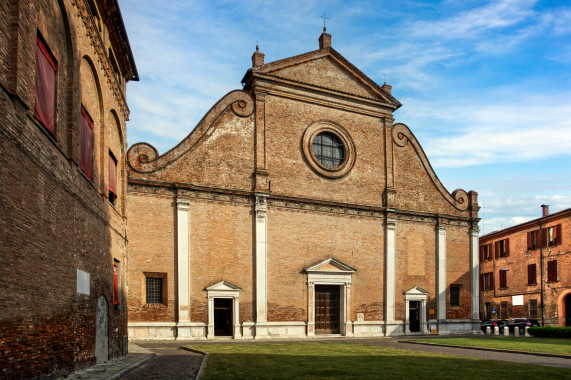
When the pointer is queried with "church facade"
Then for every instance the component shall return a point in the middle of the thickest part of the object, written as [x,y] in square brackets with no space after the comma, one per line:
[297,207]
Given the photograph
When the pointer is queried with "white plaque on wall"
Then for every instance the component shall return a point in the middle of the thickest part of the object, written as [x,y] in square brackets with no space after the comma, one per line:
[82,282]
[517,300]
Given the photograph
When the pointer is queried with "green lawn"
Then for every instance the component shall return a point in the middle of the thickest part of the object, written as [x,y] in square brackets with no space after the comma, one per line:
[326,360]
[545,345]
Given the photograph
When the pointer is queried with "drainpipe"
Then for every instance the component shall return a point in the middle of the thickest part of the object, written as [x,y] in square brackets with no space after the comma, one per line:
[541,270]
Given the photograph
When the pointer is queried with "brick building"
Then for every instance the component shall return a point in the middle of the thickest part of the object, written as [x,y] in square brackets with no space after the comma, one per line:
[65,64]
[297,207]
[525,270]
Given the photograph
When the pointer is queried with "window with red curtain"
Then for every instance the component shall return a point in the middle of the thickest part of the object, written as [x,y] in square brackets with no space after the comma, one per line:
[115,284]
[552,271]
[112,162]
[86,151]
[46,67]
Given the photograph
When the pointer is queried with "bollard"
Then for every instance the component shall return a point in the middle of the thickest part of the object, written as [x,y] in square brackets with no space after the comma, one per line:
[488,330]
[496,330]
[506,331]
[527,334]
[516,331]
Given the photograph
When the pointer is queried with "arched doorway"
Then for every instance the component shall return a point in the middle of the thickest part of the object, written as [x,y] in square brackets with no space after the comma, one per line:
[102,330]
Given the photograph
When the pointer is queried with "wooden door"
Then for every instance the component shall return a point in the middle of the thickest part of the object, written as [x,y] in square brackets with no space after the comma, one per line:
[327,316]
[222,317]
[414,315]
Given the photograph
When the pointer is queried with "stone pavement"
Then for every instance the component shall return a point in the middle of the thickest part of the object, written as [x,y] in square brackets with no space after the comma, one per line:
[115,368]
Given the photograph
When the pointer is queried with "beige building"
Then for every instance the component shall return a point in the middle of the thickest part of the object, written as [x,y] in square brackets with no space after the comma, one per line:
[297,207]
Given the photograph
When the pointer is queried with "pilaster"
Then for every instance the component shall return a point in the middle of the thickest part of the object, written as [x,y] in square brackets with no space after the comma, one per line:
[441,281]
[475,269]
[390,226]
[183,261]
[261,209]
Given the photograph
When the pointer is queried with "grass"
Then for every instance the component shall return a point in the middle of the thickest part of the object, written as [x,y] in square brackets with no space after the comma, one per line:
[326,360]
[544,345]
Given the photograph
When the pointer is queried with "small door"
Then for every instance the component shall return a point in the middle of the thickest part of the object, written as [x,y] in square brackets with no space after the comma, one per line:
[223,317]
[414,316]
[327,317]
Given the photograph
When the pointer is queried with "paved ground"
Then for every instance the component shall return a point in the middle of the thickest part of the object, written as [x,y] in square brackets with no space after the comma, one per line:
[169,362]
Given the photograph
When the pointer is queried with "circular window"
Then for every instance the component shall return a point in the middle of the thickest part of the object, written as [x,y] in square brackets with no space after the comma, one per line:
[328,149]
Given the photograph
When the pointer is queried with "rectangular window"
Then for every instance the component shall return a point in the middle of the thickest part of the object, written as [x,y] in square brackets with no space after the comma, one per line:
[532,274]
[533,309]
[86,152]
[486,252]
[552,271]
[504,310]
[154,290]
[503,279]
[46,67]
[502,248]
[454,295]
[116,284]
[112,162]
[533,240]
[486,281]
[554,235]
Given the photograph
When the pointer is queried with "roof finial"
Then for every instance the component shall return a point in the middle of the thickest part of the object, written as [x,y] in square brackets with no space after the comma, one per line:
[324,17]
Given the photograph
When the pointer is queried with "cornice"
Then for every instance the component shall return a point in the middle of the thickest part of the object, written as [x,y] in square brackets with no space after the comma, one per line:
[102,57]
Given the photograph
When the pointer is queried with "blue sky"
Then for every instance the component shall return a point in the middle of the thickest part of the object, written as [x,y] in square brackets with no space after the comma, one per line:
[485,86]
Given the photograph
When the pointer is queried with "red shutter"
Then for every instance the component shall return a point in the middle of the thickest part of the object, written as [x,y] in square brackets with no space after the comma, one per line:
[112,174]
[115,288]
[490,251]
[531,274]
[481,253]
[529,241]
[544,237]
[558,234]
[481,281]
[552,271]
[86,154]
[507,247]
[537,239]
[44,108]
[492,286]
[497,249]
[503,279]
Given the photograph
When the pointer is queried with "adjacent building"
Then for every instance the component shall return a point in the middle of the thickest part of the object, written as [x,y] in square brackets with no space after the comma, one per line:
[298,207]
[525,270]
[65,65]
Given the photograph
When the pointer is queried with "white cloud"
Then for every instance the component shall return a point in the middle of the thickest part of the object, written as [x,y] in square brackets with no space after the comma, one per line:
[474,22]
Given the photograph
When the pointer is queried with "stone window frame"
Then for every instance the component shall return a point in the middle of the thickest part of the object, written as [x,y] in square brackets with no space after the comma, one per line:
[341,133]
[163,277]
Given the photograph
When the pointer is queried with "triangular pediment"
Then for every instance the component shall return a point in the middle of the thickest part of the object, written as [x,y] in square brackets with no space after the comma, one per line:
[223,286]
[416,290]
[330,265]
[329,70]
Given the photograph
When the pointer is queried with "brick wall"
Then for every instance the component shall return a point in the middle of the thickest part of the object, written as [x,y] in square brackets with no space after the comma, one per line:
[54,220]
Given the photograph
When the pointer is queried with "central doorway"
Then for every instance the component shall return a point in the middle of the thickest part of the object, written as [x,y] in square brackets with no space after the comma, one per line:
[327,302]
[223,317]
[414,315]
